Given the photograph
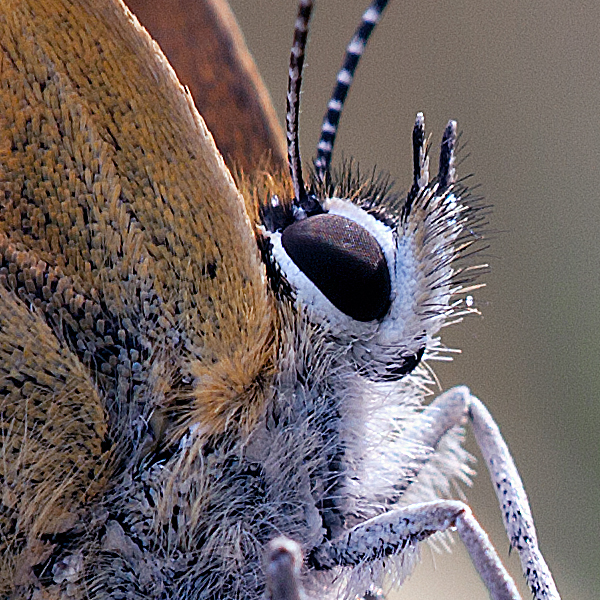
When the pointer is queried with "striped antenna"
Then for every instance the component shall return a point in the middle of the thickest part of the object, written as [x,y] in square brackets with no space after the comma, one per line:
[293,99]
[345,75]
[447,173]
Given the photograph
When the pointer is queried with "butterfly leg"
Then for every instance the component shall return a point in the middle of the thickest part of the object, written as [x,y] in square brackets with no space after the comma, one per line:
[454,408]
[390,533]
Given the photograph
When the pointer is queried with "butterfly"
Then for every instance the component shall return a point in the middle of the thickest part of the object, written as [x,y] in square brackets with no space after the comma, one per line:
[198,370]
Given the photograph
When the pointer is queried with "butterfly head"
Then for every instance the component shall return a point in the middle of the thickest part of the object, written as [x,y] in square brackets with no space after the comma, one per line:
[377,271]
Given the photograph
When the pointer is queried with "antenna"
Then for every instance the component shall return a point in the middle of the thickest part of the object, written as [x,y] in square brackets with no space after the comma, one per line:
[345,75]
[293,99]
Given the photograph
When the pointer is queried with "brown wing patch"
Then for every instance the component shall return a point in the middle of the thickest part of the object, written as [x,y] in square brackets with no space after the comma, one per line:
[204,44]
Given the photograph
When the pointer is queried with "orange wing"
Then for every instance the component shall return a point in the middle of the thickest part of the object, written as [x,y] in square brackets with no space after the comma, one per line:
[129,269]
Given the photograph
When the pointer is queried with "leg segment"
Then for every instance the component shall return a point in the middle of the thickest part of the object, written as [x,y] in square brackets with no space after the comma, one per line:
[454,408]
[390,533]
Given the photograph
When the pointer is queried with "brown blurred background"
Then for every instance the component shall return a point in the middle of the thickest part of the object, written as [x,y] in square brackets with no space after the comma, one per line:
[523,81]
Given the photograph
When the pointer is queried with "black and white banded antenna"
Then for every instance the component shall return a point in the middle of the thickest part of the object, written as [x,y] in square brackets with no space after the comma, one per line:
[345,75]
[293,101]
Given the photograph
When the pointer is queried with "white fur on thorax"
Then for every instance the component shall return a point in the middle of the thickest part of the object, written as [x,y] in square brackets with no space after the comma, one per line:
[375,420]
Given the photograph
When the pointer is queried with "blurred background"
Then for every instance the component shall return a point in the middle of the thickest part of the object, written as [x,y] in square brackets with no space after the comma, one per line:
[523,81]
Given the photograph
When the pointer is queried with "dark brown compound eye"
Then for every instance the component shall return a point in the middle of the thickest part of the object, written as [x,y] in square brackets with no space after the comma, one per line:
[344,261]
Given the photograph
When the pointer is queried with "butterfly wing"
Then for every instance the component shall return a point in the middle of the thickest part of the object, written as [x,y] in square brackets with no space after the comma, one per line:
[129,272]
[205,46]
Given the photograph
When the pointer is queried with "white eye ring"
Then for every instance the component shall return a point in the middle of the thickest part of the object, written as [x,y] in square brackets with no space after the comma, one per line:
[320,309]
[380,231]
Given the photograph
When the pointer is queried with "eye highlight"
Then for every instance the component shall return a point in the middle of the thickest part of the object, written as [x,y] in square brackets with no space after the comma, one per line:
[344,261]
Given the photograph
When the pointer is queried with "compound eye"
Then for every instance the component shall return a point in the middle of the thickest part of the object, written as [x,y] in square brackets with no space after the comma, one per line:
[344,261]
